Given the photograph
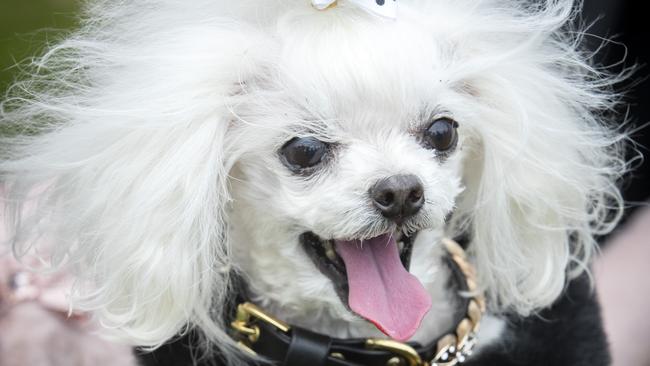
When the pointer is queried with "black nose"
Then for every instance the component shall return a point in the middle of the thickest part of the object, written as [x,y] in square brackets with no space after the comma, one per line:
[398,197]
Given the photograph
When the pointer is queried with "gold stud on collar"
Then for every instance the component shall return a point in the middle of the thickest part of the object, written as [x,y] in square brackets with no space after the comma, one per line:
[397,348]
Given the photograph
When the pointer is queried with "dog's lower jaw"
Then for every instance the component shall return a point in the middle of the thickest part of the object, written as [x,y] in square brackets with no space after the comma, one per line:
[287,284]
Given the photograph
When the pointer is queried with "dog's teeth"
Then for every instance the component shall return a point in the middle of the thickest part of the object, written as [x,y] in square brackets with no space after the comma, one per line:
[329,250]
[328,245]
[331,255]
[400,245]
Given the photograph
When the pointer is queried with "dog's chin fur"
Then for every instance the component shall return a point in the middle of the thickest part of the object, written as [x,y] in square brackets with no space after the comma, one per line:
[156,172]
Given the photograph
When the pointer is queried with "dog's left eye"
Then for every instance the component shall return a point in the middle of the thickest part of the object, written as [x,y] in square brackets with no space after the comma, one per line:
[303,152]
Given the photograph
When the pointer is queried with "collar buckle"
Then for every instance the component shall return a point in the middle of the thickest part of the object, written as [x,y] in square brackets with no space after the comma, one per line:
[244,324]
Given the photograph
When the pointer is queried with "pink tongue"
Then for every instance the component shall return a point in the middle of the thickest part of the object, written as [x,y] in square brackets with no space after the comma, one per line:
[381,290]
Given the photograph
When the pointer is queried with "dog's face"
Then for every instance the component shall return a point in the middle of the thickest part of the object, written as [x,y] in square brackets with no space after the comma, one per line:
[372,154]
[320,153]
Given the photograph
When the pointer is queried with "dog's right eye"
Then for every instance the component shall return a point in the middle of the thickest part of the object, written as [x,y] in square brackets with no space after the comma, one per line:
[303,152]
[441,134]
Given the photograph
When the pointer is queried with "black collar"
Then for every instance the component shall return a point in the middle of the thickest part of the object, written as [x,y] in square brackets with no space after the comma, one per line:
[270,338]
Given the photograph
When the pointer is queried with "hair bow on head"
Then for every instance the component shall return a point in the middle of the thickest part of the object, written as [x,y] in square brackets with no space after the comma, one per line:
[384,8]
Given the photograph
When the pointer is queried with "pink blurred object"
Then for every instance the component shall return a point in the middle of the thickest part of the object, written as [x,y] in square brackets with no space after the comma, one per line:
[624,291]
[35,327]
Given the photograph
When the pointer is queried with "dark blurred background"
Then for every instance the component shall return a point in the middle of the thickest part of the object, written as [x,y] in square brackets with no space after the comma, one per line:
[625,22]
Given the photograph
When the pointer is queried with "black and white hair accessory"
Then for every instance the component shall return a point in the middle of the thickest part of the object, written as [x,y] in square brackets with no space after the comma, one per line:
[384,8]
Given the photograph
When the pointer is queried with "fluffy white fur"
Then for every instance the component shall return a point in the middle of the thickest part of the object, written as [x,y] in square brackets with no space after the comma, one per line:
[158,174]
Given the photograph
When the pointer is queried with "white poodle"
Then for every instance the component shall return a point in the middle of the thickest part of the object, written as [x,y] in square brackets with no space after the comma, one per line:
[319,152]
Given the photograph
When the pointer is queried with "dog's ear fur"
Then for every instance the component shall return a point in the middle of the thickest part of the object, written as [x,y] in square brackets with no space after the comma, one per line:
[541,175]
[128,173]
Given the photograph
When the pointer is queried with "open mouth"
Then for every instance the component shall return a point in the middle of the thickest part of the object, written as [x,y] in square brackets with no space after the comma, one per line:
[371,277]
